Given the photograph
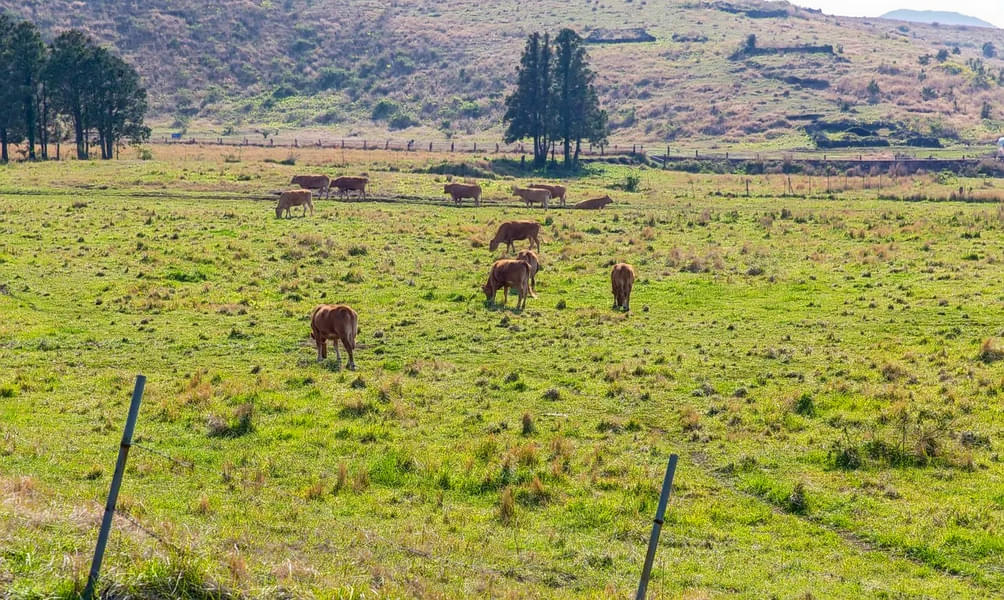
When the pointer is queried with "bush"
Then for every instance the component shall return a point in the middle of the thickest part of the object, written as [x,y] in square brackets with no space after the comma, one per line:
[402,121]
[631,183]
[384,109]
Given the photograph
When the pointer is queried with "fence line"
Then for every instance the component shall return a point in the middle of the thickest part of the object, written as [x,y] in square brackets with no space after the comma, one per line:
[652,150]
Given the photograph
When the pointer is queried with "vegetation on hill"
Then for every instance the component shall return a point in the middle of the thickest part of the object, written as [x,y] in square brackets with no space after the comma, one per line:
[437,69]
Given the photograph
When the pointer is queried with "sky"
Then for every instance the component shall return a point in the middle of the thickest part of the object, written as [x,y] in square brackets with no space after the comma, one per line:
[991,11]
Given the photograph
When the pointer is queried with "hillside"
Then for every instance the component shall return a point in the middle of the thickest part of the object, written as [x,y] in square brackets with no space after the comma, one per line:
[427,69]
[936,16]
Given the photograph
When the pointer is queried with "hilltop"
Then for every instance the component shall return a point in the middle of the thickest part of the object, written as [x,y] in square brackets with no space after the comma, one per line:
[426,69]
[942,17]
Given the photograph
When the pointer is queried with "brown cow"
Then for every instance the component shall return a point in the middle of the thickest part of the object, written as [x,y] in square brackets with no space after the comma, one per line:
[347,184]
[595,203]
[334,322]
[511,231]
[530,258]
[321,183]
[508,273]
[621,279]
[291,198]
[531,195]
[557,191]
[459,191]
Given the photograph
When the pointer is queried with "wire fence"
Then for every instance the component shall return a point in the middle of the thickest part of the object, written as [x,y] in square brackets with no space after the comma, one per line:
[652,150]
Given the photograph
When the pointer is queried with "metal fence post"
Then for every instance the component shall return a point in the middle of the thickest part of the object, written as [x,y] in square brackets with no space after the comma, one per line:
[113,493]
[653,541]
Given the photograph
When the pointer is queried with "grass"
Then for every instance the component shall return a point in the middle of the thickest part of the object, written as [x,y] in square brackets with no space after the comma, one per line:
[826,367]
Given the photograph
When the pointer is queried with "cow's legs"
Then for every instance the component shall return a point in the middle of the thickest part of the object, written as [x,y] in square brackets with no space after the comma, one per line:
[352,361]
[322,349]
[338,355]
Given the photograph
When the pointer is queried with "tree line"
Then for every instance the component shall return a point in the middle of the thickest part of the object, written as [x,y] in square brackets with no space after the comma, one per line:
[555,100]
[71,83]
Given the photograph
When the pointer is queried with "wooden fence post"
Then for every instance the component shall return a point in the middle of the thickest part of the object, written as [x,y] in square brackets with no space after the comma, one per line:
[113,493]
[653,540]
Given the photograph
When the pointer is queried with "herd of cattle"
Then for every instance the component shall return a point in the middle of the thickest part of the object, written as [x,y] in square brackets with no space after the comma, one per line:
[340,323]
[537,193]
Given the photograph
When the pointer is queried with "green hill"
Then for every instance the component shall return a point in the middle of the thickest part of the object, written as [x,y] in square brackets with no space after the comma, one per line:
[424,68]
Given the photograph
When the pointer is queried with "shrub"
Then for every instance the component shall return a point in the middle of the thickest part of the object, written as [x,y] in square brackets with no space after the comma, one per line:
[631,183]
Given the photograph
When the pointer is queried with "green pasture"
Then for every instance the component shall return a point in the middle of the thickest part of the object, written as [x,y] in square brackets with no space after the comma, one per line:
[827,368]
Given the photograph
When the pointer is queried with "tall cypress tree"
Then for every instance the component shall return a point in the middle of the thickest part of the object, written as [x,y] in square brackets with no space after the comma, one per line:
[27,56]
[577,112]
[528,108]
[9,119]
[71,74]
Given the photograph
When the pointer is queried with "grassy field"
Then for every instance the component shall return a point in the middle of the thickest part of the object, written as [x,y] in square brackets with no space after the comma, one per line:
[827,367]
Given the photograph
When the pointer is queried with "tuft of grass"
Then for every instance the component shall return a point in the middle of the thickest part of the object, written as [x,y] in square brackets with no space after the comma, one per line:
[507,507]
[241,424]
[992,350]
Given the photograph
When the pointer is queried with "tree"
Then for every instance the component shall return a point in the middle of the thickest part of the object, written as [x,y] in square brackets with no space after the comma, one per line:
[528,109]
[8,91]
[118,104]
[576,108]
[27,58]
[942,55]
[989,51]
[71,72]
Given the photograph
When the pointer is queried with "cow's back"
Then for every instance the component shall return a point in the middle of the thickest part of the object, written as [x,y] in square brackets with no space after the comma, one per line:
[334,321]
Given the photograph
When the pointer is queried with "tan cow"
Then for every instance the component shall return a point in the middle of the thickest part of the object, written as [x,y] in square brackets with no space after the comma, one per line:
[346,184]
[335,322]
[531,195]
[530,258]
[622,279]
[291,198]
[595,203]
[557,191]
[508,273]
[321,183]
[459,191]
[511,231]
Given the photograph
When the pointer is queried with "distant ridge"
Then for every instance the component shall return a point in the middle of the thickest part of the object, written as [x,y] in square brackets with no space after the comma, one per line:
[936,16]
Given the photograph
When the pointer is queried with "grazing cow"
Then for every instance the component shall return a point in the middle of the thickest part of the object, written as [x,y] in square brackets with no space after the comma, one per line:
[321,183]
[459,191]
[291,198]
[511,231]
[622,278]
[531,195]
[347,184]
[595,203]
[557,191]
[508,273]
[334,322]
[530,258]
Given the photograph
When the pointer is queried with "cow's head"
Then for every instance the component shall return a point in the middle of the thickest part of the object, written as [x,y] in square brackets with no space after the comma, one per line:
[489,290]
[493,245]
[605,200]
[278,210]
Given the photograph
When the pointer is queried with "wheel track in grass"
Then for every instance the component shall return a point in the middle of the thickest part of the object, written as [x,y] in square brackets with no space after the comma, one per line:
[854,540]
